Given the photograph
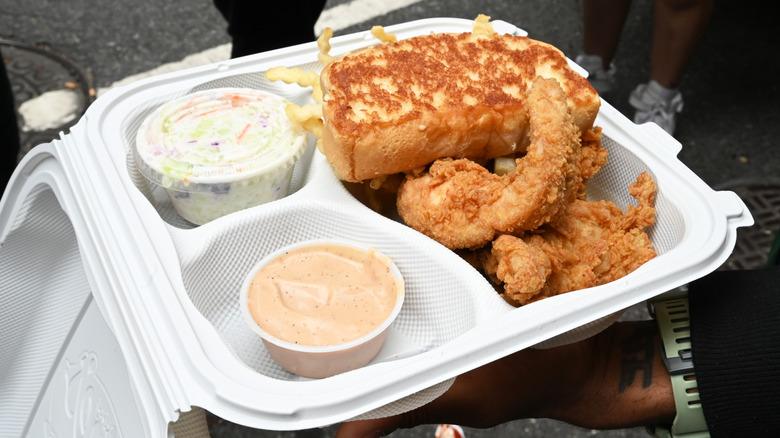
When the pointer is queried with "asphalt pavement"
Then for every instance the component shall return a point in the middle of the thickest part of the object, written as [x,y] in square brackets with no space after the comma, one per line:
[728,129]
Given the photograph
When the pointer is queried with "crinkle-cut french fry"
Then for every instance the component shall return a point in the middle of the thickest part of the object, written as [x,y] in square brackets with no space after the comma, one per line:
[323,42]
[297,76]
[381,35]
[309,116]
[482,25]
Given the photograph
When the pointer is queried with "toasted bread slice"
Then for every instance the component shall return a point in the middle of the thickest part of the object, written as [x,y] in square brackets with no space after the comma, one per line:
[399,106]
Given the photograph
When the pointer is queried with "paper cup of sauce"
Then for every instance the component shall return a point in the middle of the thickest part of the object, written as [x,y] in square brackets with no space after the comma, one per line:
[322,307]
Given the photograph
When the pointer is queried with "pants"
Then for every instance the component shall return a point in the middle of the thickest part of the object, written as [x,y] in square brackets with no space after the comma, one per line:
[9,129]
[257,26]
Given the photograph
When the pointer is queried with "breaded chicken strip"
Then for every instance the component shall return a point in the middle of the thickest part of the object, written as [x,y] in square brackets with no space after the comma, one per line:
[463,205]
[593,243]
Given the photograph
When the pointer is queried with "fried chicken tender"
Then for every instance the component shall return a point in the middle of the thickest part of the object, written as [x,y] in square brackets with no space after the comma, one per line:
[523,266]
[463,205]
[445,202]
[547,177]
[592,157]
[592,244]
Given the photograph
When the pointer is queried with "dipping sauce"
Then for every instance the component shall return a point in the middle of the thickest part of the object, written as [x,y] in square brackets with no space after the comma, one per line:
[325,294]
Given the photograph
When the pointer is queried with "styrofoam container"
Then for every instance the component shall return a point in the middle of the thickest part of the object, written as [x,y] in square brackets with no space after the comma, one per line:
[319,361]
[169,291]
[219,151]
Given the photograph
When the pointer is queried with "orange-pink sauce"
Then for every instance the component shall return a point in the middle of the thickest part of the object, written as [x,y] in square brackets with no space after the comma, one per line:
[323,295]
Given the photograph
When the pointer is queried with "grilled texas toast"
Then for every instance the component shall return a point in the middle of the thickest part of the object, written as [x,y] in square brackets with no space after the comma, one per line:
[398,106]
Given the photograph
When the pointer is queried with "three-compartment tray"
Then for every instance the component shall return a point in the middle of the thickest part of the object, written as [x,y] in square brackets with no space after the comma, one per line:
[174,302]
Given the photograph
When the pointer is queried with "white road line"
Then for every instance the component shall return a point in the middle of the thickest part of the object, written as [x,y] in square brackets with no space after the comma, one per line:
[357,11]
[208,56]
[337,18]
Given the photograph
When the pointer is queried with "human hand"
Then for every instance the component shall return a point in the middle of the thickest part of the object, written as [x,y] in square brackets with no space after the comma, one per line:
[521,385]
[592,383]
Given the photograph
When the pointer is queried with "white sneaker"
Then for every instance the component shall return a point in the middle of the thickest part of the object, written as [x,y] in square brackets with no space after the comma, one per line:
[656,103]
[602,80]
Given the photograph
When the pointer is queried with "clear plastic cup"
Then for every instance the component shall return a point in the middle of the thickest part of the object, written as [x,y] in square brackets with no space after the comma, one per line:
[220,151]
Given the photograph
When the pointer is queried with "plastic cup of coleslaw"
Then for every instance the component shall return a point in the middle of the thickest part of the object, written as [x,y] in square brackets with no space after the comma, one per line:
[219,151]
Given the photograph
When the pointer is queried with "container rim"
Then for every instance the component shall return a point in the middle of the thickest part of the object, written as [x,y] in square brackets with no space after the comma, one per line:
[265,336]
[153,173]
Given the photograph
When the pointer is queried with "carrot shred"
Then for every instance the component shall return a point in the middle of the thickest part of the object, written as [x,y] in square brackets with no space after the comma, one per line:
[243,132]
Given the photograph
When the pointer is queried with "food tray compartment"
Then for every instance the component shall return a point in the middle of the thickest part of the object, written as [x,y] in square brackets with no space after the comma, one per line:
[437,282]
[254,80]
[446,297]
[453,320]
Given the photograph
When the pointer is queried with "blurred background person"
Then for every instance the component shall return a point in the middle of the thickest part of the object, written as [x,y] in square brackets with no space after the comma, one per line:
[9,130]
[257,26]
[678,26]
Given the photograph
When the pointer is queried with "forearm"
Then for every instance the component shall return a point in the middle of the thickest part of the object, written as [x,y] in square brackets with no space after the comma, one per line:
[613,380]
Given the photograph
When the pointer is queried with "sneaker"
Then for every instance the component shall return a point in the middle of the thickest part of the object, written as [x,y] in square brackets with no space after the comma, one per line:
[602,80]
[656,103]
[449,431]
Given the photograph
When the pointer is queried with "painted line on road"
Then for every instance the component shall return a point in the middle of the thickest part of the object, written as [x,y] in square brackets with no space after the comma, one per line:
[357,11]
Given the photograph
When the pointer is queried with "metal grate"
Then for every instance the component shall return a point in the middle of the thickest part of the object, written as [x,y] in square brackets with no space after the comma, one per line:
[754,243]
[34,70]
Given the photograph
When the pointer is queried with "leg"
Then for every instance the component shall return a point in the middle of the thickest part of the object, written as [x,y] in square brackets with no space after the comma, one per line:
[603,22]
[677,30]
[257,26]
[9,130]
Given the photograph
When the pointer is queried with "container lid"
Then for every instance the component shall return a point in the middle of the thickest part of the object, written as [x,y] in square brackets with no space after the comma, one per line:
[176,290]
[217,136]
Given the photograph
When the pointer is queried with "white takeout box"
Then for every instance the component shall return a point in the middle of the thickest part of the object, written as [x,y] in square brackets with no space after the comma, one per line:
[116,311]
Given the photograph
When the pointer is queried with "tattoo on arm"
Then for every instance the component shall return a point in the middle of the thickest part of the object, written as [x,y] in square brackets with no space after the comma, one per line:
[637,351]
